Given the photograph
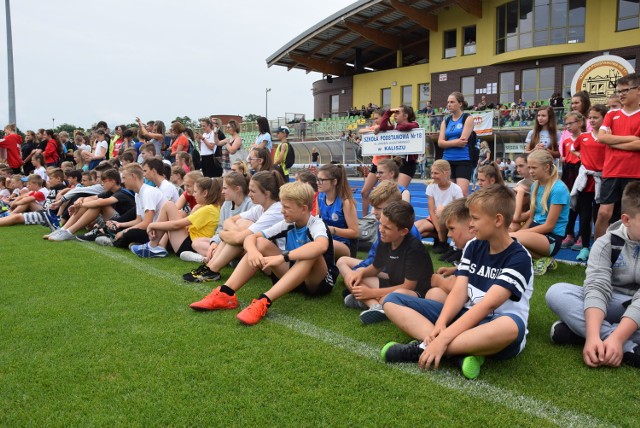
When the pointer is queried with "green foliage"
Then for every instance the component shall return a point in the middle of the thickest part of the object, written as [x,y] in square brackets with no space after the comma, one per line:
[251,117]
[95,336]
[188,122]
[66,127]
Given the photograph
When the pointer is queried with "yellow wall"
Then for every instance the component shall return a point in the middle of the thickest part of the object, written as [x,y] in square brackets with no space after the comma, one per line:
[367,87]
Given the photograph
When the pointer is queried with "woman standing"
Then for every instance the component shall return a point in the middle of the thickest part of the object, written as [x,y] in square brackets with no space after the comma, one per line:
[405,120]
[453,139]
[53,149]
[208,148]
[371,178]
[230,145]
[544,135]
[263,140]
[155,135]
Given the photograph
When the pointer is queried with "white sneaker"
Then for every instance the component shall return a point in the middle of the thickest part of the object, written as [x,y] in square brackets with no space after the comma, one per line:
[104,240]
[61,235]
[191,256]
[372,315]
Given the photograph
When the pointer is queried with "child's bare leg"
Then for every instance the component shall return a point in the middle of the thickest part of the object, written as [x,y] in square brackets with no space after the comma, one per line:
[12,219]
[176,237]
[201,246]
[437,294]
[536,243]
[309,272]
[340,250]
[345,265]
[408,320]
[224,256]
[425,227]
[369,182]
[243,272]
[371,282]
[89,215]
[168,212]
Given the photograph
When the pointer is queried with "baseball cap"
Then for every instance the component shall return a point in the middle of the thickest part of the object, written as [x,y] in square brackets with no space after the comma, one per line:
[283,129]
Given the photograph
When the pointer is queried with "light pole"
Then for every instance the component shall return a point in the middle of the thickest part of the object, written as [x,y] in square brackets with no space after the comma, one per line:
[266,102]
[53,123]
[10,79]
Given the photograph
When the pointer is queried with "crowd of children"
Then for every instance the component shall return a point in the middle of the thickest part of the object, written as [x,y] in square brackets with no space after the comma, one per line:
[303,234]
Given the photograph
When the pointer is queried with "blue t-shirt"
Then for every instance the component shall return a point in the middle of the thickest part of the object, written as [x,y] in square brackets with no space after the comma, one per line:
[559,196]
[453,131]
[511,269]
[333,215]
[260,138]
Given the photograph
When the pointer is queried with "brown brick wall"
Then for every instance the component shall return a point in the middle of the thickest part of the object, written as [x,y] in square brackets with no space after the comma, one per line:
[322,92]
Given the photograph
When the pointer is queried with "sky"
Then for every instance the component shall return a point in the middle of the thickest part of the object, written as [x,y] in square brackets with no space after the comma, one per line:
[79,61]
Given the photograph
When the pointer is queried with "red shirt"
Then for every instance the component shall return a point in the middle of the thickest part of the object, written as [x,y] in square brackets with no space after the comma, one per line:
[592,152]
[569,158]
[51,152]
[621,163]
[181,141]
[12,143]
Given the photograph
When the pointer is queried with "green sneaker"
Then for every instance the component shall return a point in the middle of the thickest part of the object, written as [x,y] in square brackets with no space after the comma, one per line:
[541,265]
[471,366]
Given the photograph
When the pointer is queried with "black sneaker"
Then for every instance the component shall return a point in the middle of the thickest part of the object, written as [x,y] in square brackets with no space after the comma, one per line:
[632,358]
[201,274]
[190,276]
[454,257]
[444,256]
[91,236]
[561,334]
[440,247]
[394,352]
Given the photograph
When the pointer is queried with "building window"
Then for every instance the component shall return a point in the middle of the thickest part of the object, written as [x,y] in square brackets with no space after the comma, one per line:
[628,15]
[469,39]
[538,84]
[450,44]
[568,71]
[507,87]
[335,105]
[522,24]
[424,94]
[407,95]
[468,89]
[385,97]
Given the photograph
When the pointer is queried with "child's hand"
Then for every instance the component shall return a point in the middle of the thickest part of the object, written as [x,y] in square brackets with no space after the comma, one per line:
[211,250]
[353,278]
[362,292]
[272,261]
[593,352]
[433,354]
[255,259]
[612,352]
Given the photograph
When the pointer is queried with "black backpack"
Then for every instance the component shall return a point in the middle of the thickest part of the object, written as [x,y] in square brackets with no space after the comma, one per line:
[473,143]
[291,156]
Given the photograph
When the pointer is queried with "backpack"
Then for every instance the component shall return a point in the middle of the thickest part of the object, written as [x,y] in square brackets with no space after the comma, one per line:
[290,159]
[473,144]
[195,153]
[367,232]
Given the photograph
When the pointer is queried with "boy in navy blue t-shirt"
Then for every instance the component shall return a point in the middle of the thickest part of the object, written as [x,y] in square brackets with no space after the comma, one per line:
[486,312]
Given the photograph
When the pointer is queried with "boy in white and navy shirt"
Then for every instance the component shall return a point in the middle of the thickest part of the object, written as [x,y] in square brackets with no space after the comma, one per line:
[486,312]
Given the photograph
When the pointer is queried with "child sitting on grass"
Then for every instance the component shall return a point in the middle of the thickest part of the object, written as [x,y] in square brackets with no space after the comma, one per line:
[179,231]
[305,265]
[455,217]
[382,196]
[486,312]
[406,263]
[543,233]
[606,309]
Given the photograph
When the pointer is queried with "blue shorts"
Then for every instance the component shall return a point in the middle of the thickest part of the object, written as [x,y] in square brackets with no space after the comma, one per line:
[555,241]
[430,309]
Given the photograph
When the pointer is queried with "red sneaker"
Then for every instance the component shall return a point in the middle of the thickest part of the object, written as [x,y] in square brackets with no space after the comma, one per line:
[216,300]
[253,313]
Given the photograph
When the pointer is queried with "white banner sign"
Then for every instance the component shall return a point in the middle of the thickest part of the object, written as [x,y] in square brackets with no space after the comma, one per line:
[483,123]
[394,143]
[514,147]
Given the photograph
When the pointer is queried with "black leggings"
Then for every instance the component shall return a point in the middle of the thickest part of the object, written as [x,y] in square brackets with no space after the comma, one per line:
[569,175]
[588,212]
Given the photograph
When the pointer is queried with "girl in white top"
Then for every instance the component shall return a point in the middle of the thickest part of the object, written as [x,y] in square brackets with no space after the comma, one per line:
[544,135]
[439,194]
[264,190]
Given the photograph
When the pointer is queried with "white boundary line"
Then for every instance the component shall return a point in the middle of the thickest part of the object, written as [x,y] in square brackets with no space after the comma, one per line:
[445,378]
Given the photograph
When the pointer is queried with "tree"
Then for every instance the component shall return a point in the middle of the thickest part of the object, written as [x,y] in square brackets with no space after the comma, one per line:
[251,117]
[187,122]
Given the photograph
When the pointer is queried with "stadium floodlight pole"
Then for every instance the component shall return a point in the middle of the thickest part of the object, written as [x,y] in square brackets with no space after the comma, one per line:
[11,81]
[266,102]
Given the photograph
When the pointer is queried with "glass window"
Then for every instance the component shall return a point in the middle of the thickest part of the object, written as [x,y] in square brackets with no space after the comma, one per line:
[523,24]
[568,71]
[335,105]
[507,87]
[468,88]
[628,15]
[538,83]
[469,39]
[385,96]
[407,95]
[450,44]
[424,94]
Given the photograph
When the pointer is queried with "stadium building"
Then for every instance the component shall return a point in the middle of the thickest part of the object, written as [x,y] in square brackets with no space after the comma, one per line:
[416,52]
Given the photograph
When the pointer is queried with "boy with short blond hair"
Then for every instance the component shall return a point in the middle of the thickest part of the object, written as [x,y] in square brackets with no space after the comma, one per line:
[306,265]
[606,309]
[486,312]
[455,218]
[406,263]
[33,208]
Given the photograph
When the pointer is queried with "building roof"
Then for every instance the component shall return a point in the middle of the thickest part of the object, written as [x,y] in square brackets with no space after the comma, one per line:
[366,36]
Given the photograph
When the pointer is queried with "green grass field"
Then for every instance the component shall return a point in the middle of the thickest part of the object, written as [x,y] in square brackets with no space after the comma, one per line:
[95,336]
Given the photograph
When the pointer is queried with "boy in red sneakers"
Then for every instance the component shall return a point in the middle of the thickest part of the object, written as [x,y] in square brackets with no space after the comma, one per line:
[306,265]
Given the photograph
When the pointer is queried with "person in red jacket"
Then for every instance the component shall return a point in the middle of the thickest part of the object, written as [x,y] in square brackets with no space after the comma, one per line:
[405,120]
[11,143]
[52,151]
